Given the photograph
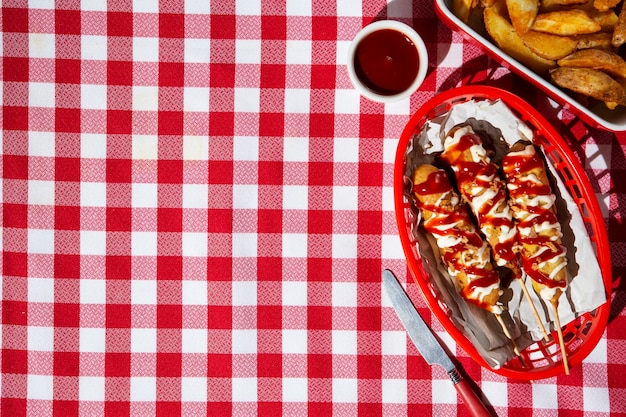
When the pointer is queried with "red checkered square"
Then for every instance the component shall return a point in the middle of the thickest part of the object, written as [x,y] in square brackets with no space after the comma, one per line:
[119,23]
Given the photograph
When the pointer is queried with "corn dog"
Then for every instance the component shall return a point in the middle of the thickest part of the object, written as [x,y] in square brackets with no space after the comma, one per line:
[485,192]
[532,204]
[463,250]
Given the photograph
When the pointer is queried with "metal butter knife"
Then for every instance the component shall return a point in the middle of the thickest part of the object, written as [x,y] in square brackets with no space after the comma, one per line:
[428,345]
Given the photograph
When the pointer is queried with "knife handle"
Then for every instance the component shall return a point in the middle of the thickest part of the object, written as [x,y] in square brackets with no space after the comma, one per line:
[472,401]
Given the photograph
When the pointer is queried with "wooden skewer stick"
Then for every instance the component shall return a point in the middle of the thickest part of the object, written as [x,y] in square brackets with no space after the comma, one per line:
[557,323]
[508,334]
[534,309]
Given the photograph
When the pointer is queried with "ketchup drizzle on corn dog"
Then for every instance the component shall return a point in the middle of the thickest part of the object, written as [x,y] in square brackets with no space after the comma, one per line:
[534,197]
[482,187]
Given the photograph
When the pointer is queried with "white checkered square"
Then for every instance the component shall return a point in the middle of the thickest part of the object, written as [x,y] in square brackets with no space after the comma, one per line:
[93,145]
[44,4]
[244,245]
[197,7]
[247,51]
[93,96]
[93,47]
[294,341]
[91,388]
[93,242]
[244,389]
[144,195]
[402,107]
[194,340]
[145,98]
[298,51]
[93,5]
[345,197]
[193,389]
[41,192]
[453,55]
[93,194]
[92,339]
[496,393]
[40,338]
[40,290]
[295,390]
[196,99]
[346,150]
[244,293]
[41,241]
[143,292]
[442,392]
[299,8]
[197,51]
[596,399]
[195,243]
[145,49]
[545,396]
[41,94]
[41,45]
[345,390]
[194,292]
[344,246]
[295,197]
[145,6]
[195,148]
[391,247]
[92,291]
[294,293]
[394,342]
[344,294]
[39,387]
[295,245]
[41,144]
[245,196]
[142,388]
[195,196]
[344,342]
[143,340]
[295,149]
[244,341]
[143,243]
[247,8]
[145,147]
[394,391]
[347,101]
[297,100]
[246,148]
[247,100]
[350,8]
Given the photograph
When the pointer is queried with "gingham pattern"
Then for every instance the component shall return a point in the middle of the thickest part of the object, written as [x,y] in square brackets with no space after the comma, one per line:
[197,206]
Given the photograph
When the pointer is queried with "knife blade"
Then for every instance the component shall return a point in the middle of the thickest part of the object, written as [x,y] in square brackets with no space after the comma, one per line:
[429,347]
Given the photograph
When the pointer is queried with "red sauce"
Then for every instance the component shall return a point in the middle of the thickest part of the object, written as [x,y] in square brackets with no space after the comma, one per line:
[386,61]
[515,167]
[472,175]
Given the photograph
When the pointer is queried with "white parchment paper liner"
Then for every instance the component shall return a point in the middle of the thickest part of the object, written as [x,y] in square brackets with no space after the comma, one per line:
[585,290]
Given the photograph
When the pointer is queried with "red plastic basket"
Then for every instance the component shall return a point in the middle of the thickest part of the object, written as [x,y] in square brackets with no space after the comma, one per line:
[541,359]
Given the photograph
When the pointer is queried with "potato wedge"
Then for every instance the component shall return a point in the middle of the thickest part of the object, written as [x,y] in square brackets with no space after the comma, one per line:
[606,61]
[590,82]
[522,14]
[605,5]
[565,23]
[619,33]
[599,40]
[504,35]
[552,5]
[549,46]
[463,8]
[607,20]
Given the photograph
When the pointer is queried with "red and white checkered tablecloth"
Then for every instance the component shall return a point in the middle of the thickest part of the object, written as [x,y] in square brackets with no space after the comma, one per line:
[197,206]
